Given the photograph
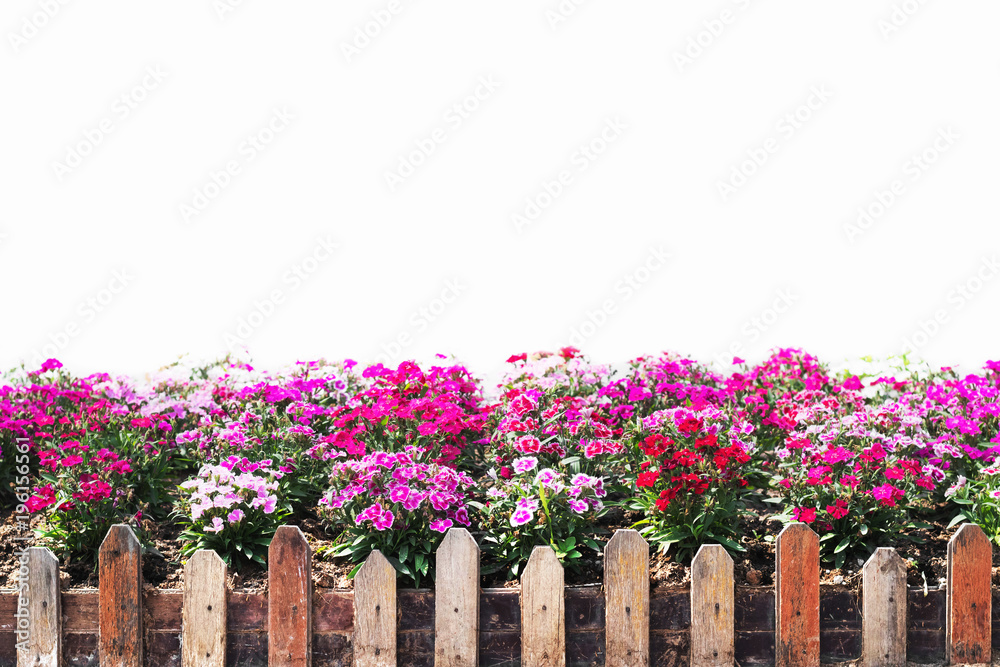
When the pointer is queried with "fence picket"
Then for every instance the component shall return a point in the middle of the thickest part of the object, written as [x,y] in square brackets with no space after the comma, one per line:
[375,613]
[968,608]
[884,605]
[712,607]
[203,614]
[796,641]
[456,601]
[43,633]
[626,594]
[289,599]
[543,613]
[120,599]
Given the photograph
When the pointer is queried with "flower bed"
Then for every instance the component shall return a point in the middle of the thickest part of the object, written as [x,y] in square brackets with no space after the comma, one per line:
[559,454]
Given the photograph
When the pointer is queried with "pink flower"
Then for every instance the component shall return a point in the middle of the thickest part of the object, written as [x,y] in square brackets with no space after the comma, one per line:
[887,494]
[849,481]
[120,467]
[413,500]
[525,464]
[836,455]
[399,493]
[235,516]
[215,527]
[528,444]
[520,406]
[440,501]
[804,514]
[578,506]
[383,521]
[441,526]
[72,460]
[51,364]
[547,477]
[520,517]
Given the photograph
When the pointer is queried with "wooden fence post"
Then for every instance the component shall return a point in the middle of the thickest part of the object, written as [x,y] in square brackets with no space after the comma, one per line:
[203,625]
[712,607]
[626,595]
[884,617]
[43,631]
[289,599]
[375,613]
[120,595]
[543,613]
[796,641]
[456,601]
[968,608]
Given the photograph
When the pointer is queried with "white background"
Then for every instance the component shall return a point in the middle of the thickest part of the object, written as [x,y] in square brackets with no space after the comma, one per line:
[695,88]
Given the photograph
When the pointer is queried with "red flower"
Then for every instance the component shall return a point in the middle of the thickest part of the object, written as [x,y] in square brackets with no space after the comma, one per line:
[647,479]
[804,514]
[517,357]
[838,510]
[710,440]
[655,445]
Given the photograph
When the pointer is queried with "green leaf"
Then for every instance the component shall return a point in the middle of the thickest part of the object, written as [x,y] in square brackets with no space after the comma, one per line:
[726,542]
[843,545]
[956,520]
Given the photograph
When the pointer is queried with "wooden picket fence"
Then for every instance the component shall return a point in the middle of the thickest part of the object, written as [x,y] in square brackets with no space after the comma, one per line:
[125,629]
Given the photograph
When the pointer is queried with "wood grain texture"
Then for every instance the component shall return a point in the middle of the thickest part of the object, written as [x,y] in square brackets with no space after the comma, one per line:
[289,596]
[375,613]
[796,578]
[712,607]
[120,572]
[204,611]
[968,608]
[456,601]
[543,613]
[884,610]
[43,634]
[626,595]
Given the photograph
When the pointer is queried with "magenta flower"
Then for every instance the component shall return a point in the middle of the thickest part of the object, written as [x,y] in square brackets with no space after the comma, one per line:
[399,493]
[520,517]
[525,464]
[578,506]
[441,526]
[383,521]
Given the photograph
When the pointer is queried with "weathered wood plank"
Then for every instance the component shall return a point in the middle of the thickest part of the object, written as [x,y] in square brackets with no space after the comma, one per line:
[289,596]
[884,604]
[204,611]
[120,594]
[41,628]
[712,607]
[375,613]
[543,612]
[456,601]
[796,640]
[626,594]
[968,609]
